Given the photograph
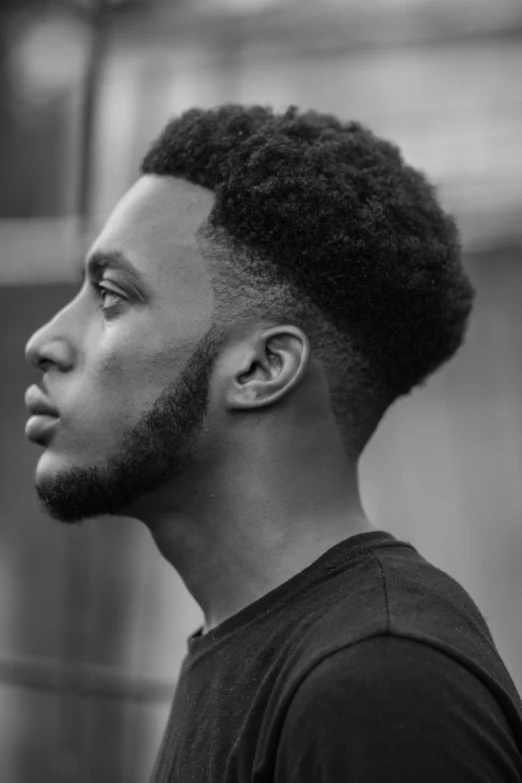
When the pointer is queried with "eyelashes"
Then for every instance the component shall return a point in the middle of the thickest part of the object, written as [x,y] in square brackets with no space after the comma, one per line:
[103,292]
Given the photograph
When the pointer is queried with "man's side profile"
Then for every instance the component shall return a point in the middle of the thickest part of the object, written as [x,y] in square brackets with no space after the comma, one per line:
[256,301]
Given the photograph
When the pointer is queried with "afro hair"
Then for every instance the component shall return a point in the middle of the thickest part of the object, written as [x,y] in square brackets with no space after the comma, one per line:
[322,222]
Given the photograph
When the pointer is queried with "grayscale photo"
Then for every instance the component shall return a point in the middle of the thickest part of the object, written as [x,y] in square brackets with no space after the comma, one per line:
[261,399]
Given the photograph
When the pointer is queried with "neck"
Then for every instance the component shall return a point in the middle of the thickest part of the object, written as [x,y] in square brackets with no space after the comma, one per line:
[257,524]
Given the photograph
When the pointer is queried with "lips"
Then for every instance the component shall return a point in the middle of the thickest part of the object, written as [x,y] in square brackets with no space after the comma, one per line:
[37,403]
[39,428]
[43,422]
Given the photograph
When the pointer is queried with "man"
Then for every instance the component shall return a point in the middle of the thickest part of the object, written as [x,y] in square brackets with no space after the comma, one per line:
[254,304]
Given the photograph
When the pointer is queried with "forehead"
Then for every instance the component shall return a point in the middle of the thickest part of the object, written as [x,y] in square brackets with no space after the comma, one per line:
[154,226]
[154,202]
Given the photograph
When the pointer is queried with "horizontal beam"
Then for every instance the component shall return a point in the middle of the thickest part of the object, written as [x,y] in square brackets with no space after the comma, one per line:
[355,26]
[82,679]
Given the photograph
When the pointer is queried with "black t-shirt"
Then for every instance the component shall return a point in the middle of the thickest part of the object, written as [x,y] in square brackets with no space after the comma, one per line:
[369,666]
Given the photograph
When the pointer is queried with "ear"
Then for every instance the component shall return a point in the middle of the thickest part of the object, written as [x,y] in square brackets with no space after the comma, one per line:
[265,366]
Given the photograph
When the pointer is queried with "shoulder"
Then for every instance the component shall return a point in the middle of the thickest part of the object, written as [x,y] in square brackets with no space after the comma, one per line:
[383,667]
[395,704]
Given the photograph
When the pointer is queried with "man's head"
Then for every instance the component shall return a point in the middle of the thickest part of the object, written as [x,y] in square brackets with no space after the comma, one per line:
[279,253]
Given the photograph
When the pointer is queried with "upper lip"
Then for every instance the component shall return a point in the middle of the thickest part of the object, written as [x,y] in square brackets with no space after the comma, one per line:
[37,402]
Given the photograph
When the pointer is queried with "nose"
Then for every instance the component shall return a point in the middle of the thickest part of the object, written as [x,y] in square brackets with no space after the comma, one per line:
[42,350]
[32,353]
[34,348]
[53,342]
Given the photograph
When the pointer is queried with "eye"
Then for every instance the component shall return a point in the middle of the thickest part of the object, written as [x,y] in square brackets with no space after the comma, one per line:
[103,291]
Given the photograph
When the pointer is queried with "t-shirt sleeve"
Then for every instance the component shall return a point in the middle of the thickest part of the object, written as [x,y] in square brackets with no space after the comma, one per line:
[391,709]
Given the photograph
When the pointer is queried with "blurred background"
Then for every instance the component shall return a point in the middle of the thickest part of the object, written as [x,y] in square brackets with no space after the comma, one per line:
[93,622]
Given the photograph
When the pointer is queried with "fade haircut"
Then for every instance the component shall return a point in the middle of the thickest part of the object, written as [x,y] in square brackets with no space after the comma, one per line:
[320,223]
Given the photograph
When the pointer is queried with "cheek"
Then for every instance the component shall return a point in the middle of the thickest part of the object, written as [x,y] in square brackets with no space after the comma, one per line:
[97,424]
[125,384]
[98,405]
[128,374]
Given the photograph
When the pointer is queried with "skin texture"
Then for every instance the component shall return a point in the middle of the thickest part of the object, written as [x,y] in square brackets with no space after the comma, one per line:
[230,455]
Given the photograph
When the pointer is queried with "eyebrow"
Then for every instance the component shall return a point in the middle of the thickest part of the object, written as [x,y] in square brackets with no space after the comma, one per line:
[100,261]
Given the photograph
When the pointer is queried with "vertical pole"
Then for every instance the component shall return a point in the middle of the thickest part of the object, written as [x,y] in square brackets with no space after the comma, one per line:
[94,72]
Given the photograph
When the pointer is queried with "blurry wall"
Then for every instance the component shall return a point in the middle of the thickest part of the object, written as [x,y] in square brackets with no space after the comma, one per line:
[93,623]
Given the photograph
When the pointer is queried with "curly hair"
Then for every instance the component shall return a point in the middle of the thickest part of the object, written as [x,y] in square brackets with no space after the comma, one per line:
[321,223]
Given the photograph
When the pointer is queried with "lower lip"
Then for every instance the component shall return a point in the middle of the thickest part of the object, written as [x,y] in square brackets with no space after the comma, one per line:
[40,426]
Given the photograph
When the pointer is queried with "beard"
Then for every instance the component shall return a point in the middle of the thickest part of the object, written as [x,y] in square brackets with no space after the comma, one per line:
[160,447]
